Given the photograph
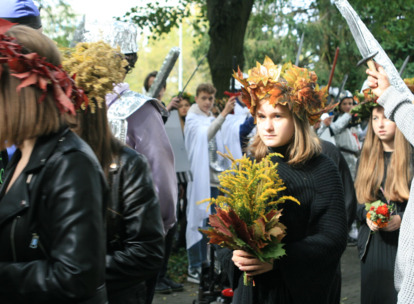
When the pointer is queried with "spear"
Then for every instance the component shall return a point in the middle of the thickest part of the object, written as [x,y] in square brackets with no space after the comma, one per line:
[404,65]
[191,77]
[299,50]
[333,68]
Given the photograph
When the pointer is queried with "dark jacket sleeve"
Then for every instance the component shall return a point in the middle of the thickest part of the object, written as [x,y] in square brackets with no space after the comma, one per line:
[350,199]
[349,190]
[72,219]
[143,246]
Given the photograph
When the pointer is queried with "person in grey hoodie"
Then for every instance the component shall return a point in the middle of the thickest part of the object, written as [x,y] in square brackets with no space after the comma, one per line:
[399,108]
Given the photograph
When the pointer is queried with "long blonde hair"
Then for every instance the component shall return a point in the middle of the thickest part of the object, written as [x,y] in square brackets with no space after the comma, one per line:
[303,146]
[371,169]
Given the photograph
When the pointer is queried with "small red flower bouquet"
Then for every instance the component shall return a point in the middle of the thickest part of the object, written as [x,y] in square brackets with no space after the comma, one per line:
[247,215]
[379,213]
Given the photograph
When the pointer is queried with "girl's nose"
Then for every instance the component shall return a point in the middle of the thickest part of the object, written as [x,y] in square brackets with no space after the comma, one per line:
[268,124]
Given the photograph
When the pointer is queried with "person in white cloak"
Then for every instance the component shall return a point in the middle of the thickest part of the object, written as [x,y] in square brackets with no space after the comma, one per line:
[202,134]
[238,128]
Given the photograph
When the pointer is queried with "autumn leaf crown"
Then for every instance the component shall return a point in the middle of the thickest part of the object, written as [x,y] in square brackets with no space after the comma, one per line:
[286,85]
[366,101]
[97,67]
[33,69]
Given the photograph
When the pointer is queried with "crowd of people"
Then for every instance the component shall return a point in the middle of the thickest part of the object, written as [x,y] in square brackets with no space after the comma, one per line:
[92,202]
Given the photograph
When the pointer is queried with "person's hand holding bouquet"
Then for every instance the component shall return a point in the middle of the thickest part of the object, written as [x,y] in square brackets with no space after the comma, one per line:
[247,218]
[379,215]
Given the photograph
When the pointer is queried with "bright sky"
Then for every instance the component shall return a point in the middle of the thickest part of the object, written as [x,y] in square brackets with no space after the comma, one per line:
[101,9]
[107,9]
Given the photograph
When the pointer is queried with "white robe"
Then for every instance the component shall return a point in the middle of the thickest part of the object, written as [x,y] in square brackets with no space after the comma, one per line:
[231,130]
[196,143]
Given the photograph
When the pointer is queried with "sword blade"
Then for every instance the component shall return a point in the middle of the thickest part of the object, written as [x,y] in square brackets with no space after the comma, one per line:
[354,21]
[373,46]
[164,71]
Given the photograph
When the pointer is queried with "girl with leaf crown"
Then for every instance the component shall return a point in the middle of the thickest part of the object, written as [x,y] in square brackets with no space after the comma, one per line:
[286,101]
[384,173]
[53,198]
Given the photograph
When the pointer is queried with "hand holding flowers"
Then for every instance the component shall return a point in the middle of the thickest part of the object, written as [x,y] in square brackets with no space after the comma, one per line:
[247,218]
[378,215]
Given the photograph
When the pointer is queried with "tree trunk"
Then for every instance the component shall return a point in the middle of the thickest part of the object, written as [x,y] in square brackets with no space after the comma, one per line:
[228,21]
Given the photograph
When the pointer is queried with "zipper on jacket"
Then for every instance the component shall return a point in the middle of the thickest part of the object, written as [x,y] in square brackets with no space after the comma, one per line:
[35,243]
[12,233]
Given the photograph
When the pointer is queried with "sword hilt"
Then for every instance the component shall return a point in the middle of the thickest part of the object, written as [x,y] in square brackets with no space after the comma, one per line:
[368,60]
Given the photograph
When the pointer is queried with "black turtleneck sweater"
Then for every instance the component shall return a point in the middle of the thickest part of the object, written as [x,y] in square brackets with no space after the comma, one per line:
[316,238]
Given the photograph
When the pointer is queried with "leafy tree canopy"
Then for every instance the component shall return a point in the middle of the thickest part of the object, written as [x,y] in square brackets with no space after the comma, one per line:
[275,27]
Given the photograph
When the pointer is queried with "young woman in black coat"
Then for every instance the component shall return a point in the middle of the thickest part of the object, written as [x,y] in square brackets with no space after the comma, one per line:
[52,201]
[135,233]
[316,229]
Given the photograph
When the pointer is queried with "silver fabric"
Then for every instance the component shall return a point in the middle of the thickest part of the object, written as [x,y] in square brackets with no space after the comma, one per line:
[163,73]
[115,33]
[218,164]
[121,109]
[360,32]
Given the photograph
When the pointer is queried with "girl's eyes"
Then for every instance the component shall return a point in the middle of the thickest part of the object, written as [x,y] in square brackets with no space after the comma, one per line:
[274,116]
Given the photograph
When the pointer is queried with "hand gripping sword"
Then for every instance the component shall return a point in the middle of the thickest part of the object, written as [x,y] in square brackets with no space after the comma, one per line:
[369,47]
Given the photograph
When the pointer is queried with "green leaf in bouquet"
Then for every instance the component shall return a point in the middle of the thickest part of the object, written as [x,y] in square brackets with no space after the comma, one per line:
[273,251]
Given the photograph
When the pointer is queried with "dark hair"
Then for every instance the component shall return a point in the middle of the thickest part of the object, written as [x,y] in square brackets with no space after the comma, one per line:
[146,81]
[94,129]
[207,88]
[132,59]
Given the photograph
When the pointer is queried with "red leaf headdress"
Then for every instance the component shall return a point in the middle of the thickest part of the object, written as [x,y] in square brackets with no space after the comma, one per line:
[32,69]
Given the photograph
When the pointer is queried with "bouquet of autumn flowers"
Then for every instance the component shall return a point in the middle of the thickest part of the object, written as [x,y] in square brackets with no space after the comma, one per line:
[379,213]
[247,215]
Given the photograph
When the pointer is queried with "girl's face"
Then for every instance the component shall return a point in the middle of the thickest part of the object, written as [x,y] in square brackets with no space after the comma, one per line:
[346,105]
[275,125]
[183,107]
[383,127]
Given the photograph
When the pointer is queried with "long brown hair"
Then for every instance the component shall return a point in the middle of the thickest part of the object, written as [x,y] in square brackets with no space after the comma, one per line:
[371,169]
[94,129]
[303,146]
[22,116]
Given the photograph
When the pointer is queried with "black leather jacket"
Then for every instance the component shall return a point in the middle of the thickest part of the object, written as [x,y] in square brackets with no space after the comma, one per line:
[52,234]
[135,230]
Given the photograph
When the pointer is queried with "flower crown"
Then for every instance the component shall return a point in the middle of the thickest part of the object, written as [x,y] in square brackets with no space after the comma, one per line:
[366,101]
[286,85]
[98,67]
[187,96]
[33,69]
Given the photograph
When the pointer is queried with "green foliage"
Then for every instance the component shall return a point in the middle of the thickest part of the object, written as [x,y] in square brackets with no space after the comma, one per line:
[58,20]
[151,55]
[178,265]
[325,29]
[162,20]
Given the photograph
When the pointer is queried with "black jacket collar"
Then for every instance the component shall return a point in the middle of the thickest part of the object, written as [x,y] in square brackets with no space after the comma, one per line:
[44,147]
